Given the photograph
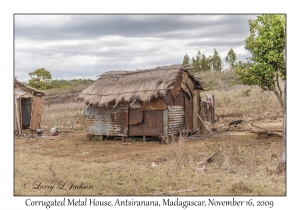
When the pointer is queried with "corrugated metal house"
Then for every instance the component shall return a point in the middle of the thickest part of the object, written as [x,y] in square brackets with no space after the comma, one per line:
[28,107]
[155,102]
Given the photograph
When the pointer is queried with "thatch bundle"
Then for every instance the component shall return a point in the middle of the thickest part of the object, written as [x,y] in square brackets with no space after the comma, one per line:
[128,86]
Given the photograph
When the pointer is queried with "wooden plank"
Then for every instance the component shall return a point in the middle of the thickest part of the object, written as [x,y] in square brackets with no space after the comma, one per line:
[188,110]
[186,89]
[36,112]
[205,125]
[165,123]
[196,98]
[17,115]
[185,77]
[190,85]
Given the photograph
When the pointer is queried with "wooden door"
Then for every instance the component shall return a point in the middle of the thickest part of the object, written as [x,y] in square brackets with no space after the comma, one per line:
[36,112]
[145,123]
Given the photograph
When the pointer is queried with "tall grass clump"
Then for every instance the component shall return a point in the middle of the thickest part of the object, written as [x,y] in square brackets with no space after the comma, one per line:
[181,153]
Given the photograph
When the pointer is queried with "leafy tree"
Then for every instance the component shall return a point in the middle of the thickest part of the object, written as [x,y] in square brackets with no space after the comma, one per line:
[40,79]
[186,60]
[216,61]
[204,63]
[230,59]
[196,62]
[266,44]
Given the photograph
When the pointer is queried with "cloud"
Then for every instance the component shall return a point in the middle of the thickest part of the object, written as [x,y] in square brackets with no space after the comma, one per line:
[87,45]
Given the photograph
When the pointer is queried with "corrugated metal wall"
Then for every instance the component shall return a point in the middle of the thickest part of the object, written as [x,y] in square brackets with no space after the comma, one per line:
[108,121]
[176,119]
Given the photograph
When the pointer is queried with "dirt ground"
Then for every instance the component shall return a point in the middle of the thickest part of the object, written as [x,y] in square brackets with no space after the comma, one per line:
[133,167]
[75,146]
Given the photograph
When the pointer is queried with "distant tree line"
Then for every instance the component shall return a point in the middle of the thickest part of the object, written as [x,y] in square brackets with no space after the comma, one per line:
[213,62]
[42,79]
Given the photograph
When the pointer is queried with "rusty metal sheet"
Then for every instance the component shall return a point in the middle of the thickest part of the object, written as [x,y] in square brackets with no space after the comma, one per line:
[108,121]
[176,119]
[154,104]
[135,116]
[152,124]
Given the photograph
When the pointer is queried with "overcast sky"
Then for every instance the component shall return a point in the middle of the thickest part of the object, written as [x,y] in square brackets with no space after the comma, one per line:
[85,46]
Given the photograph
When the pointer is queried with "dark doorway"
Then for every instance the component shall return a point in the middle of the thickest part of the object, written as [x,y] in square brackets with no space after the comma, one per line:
[26,112]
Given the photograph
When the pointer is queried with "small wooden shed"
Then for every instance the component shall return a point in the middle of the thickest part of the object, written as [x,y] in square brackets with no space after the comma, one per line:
[162,101]
[28,107]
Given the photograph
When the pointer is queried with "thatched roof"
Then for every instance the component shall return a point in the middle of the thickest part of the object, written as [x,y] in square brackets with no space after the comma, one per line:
[31,89]
[127,86]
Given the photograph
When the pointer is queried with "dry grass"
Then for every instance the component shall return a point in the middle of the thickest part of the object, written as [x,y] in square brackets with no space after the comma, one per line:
[240,169]
[218,80]
[250,101]
[67,90]
[64,116]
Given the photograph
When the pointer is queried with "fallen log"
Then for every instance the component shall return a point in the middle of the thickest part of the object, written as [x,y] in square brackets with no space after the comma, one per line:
[266,129]
[252,128]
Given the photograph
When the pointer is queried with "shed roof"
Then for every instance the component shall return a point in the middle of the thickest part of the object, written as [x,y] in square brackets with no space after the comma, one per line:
[30,89]
[127,86]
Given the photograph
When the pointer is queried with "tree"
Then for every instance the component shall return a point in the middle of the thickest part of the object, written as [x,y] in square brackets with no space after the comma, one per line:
[204,63]
[40,79]
[230,59]
[216,61]
[186,60]
[196,61]
[266,65]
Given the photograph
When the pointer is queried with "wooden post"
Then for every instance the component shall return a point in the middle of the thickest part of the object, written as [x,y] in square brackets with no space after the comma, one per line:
[17,112]
[101,137]
[213,110]
[202,114]
[195,109]
[144,139]
[205,125]
[123,138]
